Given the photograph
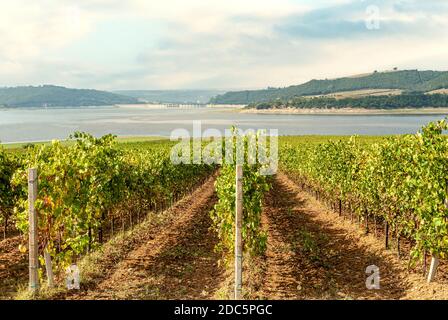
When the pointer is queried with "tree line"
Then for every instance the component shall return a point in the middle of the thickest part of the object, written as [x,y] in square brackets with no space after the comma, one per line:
[411,100]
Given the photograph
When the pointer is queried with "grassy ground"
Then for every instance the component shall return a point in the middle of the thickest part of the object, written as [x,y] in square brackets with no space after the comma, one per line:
[142,142]
[316,139]
[125,141]
[133,140]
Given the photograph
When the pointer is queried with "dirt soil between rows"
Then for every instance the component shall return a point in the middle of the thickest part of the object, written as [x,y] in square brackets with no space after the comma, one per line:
[176,261]
[13,267]
[313,253]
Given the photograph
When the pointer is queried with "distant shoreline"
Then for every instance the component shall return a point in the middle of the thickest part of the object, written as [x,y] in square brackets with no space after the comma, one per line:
[180,106]
[348,111]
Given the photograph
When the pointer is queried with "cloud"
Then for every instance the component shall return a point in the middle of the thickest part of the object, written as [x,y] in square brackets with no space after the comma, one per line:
[112,44]
[348,20]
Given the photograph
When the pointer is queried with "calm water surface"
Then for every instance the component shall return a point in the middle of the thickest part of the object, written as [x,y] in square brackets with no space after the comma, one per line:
[18,125]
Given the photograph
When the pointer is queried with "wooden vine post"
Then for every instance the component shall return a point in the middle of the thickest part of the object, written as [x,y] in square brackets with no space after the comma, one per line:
[434,258]
[386,241]
[49,268]
[33,237]
[238,232]
[32,219]
[433,268]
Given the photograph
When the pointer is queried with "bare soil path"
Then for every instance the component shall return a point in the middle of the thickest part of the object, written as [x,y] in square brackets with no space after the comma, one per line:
[177,261]
[13,267]
[315,254]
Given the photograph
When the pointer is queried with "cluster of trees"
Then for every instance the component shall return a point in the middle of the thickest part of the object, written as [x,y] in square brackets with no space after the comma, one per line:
[54,96]
[412,100]
[409,80]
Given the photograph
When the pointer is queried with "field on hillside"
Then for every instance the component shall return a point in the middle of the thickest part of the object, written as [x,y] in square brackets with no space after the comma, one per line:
[360,93]
[139,226]
[440,91]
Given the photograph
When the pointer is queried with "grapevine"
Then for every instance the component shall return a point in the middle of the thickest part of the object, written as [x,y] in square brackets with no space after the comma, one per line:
[254,186]
[85,185]
[401,180]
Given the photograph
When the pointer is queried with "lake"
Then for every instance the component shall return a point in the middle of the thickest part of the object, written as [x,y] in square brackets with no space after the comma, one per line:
[20,125]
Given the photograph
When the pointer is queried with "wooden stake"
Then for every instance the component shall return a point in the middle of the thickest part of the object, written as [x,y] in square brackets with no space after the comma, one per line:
[367,221]
[424,263]
[101,229]
[32,219]
[49,268]
[238,233]
[5,228]
[433,268]
[387,236]
[376,227]
[89,247]
[112,226]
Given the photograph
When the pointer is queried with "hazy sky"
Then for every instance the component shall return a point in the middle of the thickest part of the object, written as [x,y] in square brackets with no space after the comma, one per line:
[179,44]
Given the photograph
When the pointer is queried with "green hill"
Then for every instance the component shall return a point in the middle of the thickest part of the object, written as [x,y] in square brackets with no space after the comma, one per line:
[439,82]
[54,96]
[409,80]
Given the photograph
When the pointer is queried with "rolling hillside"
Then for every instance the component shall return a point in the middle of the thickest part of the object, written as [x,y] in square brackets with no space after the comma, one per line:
[408,80]
[54,96]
